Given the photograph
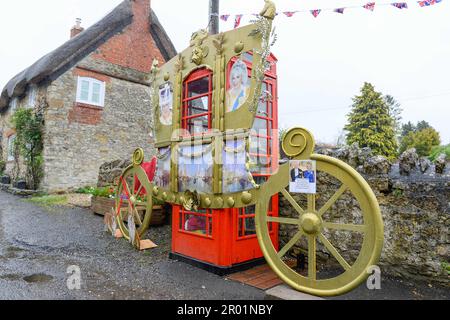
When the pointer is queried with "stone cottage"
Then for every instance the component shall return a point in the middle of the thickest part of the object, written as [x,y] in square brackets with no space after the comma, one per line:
[93,93]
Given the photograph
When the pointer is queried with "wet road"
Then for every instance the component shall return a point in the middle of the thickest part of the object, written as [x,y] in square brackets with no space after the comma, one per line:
[37,245]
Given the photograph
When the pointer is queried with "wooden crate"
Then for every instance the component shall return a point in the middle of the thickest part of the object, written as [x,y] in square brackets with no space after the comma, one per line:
[100,206]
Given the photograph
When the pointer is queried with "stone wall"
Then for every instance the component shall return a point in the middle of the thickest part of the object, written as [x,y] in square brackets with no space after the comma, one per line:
[415,204]
[79,139]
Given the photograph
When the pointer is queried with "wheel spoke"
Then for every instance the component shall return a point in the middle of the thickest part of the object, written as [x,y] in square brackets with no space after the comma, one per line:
[332,200]
[312,264]
[311,203]
[139,190]
[290,244]
[292,202]
[134,184]
[283,220]
[137,217]
[334,252]
[347,227]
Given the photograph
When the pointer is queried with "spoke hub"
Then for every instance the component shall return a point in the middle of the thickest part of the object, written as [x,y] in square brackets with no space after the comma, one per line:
[310,223]
[133,200]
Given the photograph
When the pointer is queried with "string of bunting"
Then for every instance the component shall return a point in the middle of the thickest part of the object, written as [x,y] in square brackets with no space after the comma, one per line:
[368,6]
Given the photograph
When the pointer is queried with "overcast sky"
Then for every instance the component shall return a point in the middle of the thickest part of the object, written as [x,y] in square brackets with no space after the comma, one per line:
[323,62]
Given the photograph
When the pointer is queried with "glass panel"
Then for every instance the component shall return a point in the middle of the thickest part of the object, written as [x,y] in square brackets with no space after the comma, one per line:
[162,176]
[260,126]
[198,106]
[247,227]
[195,224]
[195,167]
[259,146]
[84,94]
[249,210]
[262,106]
[247,57]
[96,89]
[198,125]
[235,175]
[198,87]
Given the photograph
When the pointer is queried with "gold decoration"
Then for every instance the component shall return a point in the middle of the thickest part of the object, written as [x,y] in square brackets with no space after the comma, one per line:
[246,197]
[199,52]
[230,202]
[238,47]
[155,67]
[138,157]
[155,191]
[219,42]
[207,202]
[179,65]
[269,11]
[166,76]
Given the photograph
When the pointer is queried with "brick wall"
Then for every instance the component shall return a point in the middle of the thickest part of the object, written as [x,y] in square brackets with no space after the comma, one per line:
[134,48]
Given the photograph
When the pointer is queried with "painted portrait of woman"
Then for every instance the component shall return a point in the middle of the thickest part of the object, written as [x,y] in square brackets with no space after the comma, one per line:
[165,104]
[238,86]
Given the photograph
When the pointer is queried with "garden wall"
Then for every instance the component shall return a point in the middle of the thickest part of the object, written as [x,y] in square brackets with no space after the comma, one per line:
[415,204]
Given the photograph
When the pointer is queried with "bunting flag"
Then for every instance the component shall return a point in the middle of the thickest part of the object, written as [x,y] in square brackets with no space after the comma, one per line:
[400,5]
[316,12]
[370,6]
[225,17]
[427,3]
[289,14]
[237,20]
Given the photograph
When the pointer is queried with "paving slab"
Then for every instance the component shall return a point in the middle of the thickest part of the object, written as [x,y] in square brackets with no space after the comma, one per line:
[283,292]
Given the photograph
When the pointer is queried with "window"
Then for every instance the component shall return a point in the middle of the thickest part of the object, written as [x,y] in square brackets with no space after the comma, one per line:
[91,91]
[11,152]
[32,95]
[13,104]
[197,102]
[197,222]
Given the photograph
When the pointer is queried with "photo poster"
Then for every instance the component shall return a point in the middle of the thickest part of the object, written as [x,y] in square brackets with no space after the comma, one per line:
[303,176]
[166,104]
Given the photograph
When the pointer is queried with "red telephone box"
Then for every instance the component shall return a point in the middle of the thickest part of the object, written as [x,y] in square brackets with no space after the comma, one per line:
[225,240]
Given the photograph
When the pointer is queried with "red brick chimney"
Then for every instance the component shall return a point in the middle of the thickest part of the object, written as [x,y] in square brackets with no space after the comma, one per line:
[76,29]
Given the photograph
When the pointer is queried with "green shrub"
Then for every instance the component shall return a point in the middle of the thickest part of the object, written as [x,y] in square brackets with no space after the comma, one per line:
[2,167]
[437,151]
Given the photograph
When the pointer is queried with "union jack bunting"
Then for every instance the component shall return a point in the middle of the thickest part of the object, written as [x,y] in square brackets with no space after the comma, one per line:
[316,12]
[339,10]
[289,13]
[370,6]
[237,20]
[427,3]
[400,5]
[225,17]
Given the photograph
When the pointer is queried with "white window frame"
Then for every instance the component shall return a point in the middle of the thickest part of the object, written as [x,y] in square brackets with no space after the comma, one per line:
[32,95]
[91,83]
[14,104]
[11,155]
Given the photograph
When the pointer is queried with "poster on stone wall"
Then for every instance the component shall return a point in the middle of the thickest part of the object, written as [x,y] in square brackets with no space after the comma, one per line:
[166,103]
[302,177]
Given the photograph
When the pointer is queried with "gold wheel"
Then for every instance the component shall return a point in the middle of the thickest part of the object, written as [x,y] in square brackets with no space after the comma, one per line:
[312,229]
[133,199]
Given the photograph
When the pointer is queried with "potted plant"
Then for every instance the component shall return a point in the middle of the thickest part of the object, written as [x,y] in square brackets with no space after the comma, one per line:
[103,200]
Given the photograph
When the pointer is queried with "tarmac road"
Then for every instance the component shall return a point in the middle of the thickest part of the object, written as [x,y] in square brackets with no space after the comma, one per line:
[38,245]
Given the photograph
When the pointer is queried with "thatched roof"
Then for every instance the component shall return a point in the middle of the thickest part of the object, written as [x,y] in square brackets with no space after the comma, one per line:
[54,64]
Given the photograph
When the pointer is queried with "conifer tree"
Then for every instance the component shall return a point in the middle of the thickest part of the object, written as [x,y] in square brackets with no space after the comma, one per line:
[370,123]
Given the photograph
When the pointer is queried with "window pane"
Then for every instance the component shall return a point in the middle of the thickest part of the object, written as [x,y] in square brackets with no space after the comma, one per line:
[96,90]
[260,126]
[84,93]
[198,106]
[198,125]
[198,87]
